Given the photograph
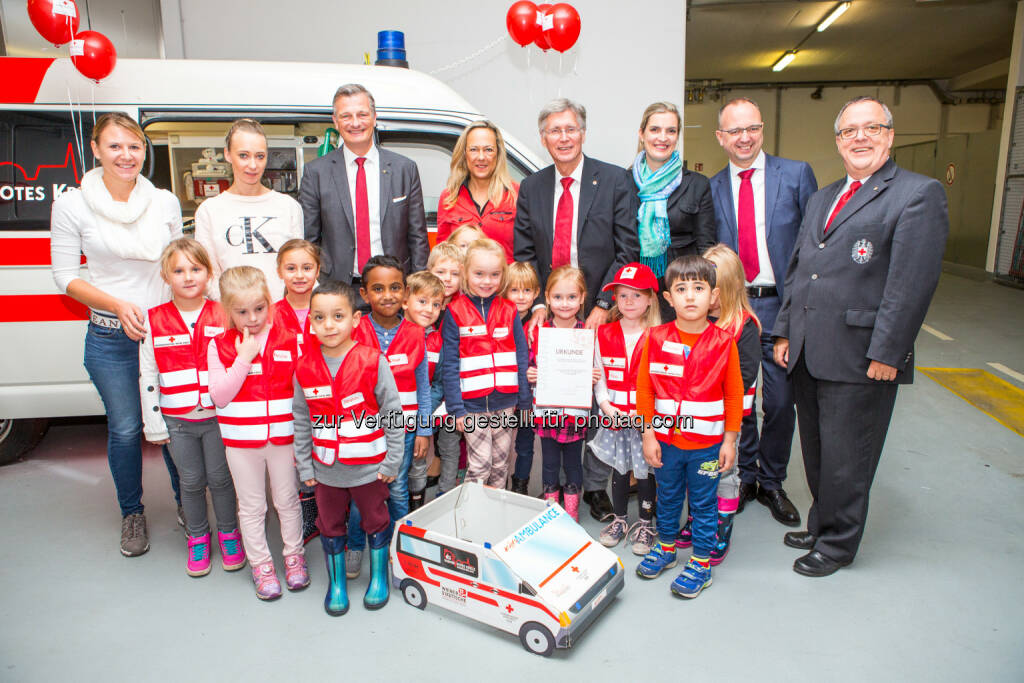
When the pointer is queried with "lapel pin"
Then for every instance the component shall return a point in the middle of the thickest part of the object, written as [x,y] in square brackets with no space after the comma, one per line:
[876,188]
[595,182]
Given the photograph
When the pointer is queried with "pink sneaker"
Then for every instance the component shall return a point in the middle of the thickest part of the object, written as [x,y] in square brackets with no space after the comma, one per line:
[296,576]
[572,505]
[198,561]
[232,554]
[265,579]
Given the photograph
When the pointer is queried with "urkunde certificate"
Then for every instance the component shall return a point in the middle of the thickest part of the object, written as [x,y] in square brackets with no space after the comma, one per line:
[565,368]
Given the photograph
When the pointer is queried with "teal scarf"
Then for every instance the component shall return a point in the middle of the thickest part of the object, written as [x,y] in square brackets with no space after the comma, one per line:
[652,218]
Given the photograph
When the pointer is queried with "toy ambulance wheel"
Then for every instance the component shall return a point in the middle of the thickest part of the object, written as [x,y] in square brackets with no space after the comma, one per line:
[413,594]
[536,639]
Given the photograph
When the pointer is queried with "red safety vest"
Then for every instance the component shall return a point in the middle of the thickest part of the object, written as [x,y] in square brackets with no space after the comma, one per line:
[339,405]
[285,315]
[262,409]
[487,350]
[181,357]
[404,355]
[619,371]
[434,342]
[748,395]
[688,391]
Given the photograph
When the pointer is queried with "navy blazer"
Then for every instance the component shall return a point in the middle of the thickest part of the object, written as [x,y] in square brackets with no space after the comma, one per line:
[860,291]
[788,185]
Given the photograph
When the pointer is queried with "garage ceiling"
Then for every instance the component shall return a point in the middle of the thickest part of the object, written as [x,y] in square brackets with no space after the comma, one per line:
[737,41]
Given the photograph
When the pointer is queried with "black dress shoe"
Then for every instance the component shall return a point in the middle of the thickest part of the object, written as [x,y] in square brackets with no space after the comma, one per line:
[804,540]
[600,505]
[782,509]
[816,564]
[747,492]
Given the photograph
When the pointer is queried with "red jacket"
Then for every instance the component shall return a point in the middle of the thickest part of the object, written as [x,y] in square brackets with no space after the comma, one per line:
[181,357]
[496,222]
[689,391]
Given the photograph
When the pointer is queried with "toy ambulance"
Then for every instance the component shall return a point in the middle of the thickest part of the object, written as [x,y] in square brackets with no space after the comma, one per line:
[508,560]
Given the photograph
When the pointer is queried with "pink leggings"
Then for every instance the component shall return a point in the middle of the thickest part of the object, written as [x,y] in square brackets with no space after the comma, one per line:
[249,467]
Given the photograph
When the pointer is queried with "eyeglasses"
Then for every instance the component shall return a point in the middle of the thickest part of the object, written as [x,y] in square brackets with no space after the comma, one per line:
[569,131]
[872,130]
[749,130]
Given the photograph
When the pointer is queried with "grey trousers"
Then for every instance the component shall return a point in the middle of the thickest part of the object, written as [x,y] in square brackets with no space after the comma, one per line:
[418,475]
[447,448]
[596,473]
[198,453]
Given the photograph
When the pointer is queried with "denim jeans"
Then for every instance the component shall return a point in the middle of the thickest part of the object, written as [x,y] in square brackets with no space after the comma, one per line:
[112,361]
[398,501]
[524,453]
[696,470]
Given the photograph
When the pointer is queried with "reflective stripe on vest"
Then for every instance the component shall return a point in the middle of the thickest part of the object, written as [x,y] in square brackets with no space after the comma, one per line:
[181,357]
[487,350]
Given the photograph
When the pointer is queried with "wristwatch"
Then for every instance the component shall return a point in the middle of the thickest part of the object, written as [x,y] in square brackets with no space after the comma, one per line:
[601,303]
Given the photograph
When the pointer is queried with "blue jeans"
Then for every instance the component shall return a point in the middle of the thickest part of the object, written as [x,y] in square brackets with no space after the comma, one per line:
[398,500]
[112,361]
[524,453]
[681,470]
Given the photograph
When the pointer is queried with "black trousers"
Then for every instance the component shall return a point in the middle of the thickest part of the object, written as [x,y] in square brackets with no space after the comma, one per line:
[842,431]
[764,457]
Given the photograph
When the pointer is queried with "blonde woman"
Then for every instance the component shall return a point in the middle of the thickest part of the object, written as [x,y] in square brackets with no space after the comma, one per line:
[480,191]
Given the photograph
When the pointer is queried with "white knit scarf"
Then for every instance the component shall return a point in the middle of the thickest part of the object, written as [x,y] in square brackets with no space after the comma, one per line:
[129,229]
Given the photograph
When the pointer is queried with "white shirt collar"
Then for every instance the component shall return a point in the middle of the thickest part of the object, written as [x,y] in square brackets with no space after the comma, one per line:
[576,175]
[759,163]
[350,157]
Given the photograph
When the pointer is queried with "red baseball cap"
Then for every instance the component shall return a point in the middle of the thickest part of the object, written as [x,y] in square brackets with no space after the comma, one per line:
[635,275]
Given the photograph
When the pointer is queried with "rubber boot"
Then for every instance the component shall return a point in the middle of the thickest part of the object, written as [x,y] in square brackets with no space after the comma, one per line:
[378,590]
[723,535]
[572,506]
[551,495]
[520,485]
[336,600]
[416,499]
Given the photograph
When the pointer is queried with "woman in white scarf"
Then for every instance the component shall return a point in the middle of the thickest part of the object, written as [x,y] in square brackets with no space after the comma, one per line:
[121,223]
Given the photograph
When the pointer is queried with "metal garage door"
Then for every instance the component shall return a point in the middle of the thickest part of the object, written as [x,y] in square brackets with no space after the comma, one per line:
[1010,248]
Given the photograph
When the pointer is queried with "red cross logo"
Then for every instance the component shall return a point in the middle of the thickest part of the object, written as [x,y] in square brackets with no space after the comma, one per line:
[170,339]
[665,368]
[862,251]
[575,569]
[509,609]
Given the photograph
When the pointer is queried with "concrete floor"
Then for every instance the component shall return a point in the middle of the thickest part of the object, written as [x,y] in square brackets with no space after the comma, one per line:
[935,593]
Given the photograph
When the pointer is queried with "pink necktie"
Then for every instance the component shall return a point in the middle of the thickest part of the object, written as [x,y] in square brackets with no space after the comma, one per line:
[854,186]
[561,247]
[362,216]
[746,222]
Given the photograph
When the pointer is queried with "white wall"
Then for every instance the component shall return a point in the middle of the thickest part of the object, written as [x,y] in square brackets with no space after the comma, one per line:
[505,82]
[806,125]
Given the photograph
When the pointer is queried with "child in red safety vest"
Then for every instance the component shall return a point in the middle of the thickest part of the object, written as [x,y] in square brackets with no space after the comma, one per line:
[617,355]
[176,405]
[250,368]
[690,396]
[298,266]
[423,301]
[349,438]
[733,314]
[522,289]
[483,366]
[561,431]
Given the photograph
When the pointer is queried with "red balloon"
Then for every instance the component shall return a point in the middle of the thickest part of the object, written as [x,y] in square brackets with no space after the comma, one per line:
[56,20]
[522,22]
[540,41]
[565,27]
[93,55]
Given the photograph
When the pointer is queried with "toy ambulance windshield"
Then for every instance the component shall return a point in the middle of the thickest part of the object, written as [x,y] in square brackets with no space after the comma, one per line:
[507,560]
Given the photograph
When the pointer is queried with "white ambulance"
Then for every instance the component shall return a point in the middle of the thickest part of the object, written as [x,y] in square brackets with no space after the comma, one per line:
[185,107]
[507,560]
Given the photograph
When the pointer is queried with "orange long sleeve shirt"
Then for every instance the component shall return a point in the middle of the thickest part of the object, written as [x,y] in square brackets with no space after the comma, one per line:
[732,392]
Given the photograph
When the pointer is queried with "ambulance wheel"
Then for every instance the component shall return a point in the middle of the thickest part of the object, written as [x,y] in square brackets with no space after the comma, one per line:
[18,437]
[413,594]
[536,639]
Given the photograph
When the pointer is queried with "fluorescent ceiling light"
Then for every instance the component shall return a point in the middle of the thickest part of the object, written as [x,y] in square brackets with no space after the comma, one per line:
[784,60]
[835,14]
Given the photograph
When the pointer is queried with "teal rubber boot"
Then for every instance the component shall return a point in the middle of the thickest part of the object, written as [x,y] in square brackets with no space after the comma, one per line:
[379,589]
[336,600]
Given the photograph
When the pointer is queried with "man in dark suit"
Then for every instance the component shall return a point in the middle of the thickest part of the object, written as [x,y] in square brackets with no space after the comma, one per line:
[360,200]
[759,204]
[864,270]
[581,212]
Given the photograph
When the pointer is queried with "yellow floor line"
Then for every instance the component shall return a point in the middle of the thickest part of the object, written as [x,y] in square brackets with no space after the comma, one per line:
[993,396]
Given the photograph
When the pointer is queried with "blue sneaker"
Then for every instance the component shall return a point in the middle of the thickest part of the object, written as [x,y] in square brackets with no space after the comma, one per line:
[655,562]
[692,581]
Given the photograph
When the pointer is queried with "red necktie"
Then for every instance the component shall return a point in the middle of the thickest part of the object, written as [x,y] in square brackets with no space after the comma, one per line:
[561,248]
[362,216]
[746,222]
[854,186]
